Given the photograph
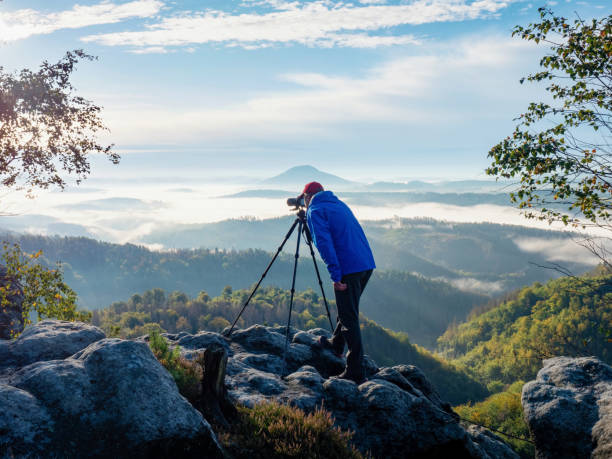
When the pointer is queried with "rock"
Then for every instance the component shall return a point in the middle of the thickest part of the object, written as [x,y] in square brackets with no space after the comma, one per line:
[11,314]
[112,398]
[48,340]
[490,445]
[369,366]
[202,340]
[568,408]
[25,425]
[395,412]
[260,338]
[115,394]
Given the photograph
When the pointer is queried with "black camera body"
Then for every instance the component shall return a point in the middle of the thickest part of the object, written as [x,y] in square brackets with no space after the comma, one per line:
[296,202]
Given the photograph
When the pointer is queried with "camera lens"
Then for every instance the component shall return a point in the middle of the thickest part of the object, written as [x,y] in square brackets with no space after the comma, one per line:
[295,202]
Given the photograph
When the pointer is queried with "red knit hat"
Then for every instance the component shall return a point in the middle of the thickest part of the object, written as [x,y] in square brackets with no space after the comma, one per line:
[312,188]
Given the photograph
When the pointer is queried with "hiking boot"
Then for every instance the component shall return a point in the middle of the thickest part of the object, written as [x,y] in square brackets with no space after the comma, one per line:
[356,379]
[324,343]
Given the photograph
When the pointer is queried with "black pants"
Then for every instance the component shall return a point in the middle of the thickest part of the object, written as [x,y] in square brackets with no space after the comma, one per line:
[347,330]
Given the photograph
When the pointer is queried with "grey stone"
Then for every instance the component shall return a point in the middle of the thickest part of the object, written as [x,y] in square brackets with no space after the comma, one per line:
[304,389]
[488,445]
[369,366]
[395,412]
[307,376]
[202,340]
[320,332]
[568,408]
[116,395]
[25,425]
[261,339]
[418,379]
[303,337]
[263,362]
[48,340]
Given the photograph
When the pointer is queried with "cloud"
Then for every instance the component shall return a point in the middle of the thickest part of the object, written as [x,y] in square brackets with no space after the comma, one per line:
[150,50]
[470,284]
[24,23]
[557,250]
[114,205]
[417,90]
[321,23]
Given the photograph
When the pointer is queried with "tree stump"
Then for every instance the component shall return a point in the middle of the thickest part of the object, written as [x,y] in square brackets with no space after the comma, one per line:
[215,403]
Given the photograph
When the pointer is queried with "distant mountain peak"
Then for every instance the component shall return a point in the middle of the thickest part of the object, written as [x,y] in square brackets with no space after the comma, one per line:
[298,176]
[303,168]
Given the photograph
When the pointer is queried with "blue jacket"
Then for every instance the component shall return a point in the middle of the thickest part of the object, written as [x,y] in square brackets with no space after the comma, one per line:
[338,236]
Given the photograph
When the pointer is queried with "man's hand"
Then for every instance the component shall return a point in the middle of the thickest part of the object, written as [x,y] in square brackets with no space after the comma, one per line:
[340,286]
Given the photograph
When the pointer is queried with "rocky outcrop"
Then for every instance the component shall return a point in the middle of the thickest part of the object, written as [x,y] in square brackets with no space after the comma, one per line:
[47,340]
[569,408]
[396,413]
[67,391]
[11,313]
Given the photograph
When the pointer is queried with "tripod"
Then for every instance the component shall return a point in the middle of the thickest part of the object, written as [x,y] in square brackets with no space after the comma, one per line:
[300,223]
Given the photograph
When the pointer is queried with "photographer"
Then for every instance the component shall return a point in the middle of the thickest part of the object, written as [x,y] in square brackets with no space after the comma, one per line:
[344,248]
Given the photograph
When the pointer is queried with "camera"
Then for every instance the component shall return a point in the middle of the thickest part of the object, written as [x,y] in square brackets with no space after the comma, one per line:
[296,202]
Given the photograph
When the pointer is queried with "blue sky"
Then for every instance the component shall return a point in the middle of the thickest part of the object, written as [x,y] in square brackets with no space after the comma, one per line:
[366,89]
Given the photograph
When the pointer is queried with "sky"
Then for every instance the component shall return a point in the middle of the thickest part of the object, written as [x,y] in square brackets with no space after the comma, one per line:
[198,92]
[368,90]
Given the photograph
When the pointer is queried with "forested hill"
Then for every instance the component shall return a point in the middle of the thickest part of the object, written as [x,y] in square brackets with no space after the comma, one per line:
[177,312]
[102,273]
[486,256]
[568,316]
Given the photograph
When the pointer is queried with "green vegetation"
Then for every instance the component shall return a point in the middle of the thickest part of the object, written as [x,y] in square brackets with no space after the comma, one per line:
[503,412]
[568,316]
[485,251]
[45,294]
[177,312]
[187,374]
[560,149]
[421,307]
[102,273]
[480,256]
[274,431]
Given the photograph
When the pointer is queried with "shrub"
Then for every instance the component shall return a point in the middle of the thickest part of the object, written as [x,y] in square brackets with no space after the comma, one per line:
[272,431]
[186,374]
[44,292]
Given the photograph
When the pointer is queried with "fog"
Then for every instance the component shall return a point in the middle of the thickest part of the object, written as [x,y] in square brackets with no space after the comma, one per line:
[126,212]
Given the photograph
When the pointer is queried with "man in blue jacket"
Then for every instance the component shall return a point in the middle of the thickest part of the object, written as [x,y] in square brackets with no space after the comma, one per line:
[344,248]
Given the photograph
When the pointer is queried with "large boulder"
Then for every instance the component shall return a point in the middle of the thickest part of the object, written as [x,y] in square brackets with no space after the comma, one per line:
[11,313]
[569,408]
[396,413]
[47,340]
[111,398]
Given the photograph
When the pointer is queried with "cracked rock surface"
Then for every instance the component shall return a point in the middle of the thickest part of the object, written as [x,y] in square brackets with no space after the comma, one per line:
[67,391]
[396,413]
[569,408]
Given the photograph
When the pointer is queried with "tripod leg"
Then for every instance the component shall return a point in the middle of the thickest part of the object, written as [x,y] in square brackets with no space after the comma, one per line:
[280,248]
[297,255]
[314,260]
